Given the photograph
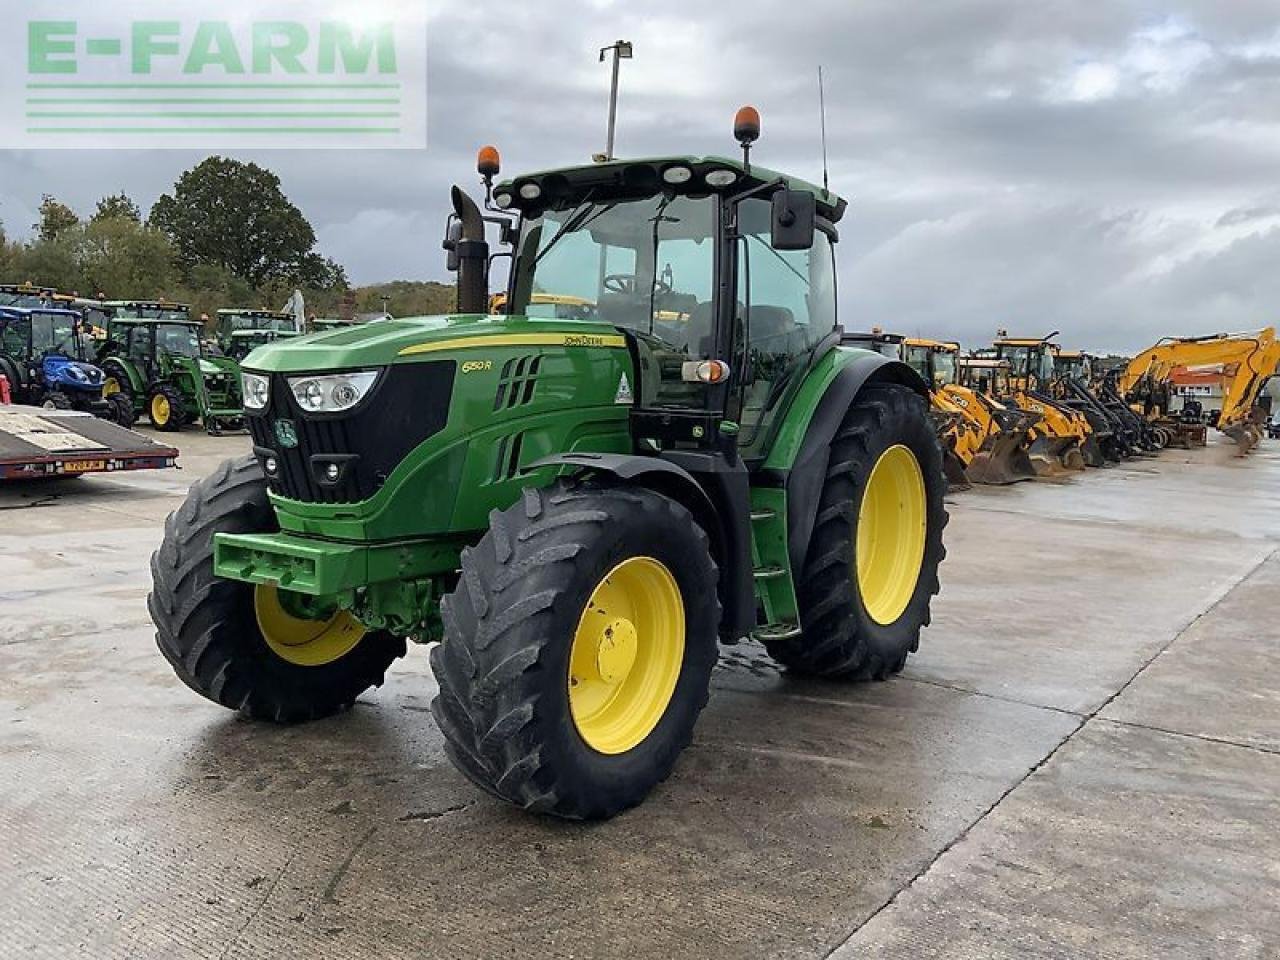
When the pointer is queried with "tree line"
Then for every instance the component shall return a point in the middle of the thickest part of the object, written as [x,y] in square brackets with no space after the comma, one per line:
[225,235]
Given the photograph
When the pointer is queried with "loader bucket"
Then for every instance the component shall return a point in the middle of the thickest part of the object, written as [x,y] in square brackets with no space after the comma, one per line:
[953,469]
[1053,456]
[1091,452]
[1003,460]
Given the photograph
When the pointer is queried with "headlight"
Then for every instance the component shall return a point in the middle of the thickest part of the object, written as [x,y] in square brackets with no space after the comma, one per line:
[721,177]
[334,393]
[256,390]
[77,374]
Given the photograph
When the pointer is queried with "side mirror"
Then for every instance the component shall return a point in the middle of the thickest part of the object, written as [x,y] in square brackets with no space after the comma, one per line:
[452,235]
[795,213]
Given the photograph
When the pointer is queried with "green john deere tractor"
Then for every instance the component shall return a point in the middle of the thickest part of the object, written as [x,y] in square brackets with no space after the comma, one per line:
[240,332]
[576,511]
[153,355]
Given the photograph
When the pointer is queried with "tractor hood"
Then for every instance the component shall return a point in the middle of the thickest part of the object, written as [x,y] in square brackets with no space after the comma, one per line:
[65,372]
[386,342]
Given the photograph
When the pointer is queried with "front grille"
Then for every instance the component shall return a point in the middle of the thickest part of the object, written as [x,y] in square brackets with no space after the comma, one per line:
[409,403]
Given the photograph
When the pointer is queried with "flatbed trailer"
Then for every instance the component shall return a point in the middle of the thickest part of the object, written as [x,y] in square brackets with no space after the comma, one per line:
[36,443]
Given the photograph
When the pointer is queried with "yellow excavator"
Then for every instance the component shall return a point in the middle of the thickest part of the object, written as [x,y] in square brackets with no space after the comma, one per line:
[1245,361]
[986,441]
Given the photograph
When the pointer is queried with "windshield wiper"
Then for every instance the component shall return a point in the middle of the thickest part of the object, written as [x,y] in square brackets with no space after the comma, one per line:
[583,214]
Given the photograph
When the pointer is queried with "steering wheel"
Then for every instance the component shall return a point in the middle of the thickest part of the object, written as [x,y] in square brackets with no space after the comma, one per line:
[628,284]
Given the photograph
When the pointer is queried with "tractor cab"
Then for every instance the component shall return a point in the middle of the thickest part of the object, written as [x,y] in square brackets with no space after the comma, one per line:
[1032,360]
[989,376]
[935,360]
[239,332]
[25,295]
[719,273]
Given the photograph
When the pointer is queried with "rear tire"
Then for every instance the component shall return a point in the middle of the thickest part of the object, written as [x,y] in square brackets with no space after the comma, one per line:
[840,637]
[208,628]
[511,702]
[121,409]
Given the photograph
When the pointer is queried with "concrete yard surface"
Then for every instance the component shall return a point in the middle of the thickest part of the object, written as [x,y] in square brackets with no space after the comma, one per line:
[1083,760]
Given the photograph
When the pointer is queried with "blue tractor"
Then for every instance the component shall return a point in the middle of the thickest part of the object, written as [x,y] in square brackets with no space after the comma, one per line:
[42,353]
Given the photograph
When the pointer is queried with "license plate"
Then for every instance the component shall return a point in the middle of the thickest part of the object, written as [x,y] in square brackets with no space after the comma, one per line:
[80,466]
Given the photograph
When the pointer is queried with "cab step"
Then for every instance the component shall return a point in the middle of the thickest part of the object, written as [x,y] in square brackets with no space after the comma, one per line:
[763,514]
[777,631]
[768,573]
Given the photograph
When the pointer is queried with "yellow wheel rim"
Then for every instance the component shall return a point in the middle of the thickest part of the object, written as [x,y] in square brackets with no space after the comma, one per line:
[160,409]
[305,643]
[626,656]
[889,549]
[110,387]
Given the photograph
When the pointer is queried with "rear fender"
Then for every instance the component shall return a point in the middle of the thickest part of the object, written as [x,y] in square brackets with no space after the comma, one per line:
[815,417]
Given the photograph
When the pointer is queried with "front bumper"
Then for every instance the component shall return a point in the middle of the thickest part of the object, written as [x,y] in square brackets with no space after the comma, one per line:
[324,567]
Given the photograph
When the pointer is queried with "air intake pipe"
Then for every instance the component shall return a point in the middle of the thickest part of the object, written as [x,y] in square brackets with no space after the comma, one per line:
[472,251]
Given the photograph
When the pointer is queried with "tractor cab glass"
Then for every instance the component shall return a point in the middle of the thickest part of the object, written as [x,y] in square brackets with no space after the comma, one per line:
[54,333]
[944,367]
[786,308]
[643,265]
[178,339]
[143,312]
[646,265]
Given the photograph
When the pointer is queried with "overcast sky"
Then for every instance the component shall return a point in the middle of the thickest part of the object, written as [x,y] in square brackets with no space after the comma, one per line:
[1108,169]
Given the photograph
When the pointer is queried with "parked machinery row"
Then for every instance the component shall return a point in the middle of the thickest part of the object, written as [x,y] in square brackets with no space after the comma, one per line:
[1027,407]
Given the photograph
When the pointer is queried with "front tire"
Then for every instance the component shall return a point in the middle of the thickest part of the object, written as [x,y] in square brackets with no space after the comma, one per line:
[166,408]
[578,649]
[120,409]
[55,400]
[871,569]
[236,644]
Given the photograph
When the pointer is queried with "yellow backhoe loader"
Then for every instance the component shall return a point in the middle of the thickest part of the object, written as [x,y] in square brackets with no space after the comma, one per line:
[987,442]
[1245,361]
[1065,436]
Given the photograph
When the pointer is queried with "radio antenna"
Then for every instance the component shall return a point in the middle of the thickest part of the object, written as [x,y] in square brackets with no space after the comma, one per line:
[822,110]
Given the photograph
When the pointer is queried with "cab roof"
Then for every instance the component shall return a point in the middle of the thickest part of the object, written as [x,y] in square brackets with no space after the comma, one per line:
[149,304]
[274,314]
[157,321]
[21,313]
[948,345]
[1019,341]
[644,177]
[985,363]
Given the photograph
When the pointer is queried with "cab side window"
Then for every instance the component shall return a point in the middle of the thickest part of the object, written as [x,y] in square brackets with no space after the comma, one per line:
[787,305]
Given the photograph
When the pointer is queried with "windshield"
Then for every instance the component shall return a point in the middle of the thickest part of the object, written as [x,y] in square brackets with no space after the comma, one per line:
[645,265]
[178,339]
[944,367]
[246,321]
[918,359]
[135,312]
[53,333]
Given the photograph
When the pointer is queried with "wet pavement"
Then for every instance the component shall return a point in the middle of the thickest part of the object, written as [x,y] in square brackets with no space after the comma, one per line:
[1082,760]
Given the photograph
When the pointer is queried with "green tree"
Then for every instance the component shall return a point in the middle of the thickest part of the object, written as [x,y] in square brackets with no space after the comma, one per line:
[116,207]
[55,218]
[234,215]
[124,258]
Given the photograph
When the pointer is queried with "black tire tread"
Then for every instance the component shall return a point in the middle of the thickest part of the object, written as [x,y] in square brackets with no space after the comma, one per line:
[834,643]
[511,583]
[199,617]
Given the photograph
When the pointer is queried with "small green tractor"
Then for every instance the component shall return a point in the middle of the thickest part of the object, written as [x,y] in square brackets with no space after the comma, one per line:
[575,512]
[153,355]
[240,332]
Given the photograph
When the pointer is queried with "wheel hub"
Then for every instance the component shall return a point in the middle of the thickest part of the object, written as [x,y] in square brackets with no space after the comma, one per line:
[616,651]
